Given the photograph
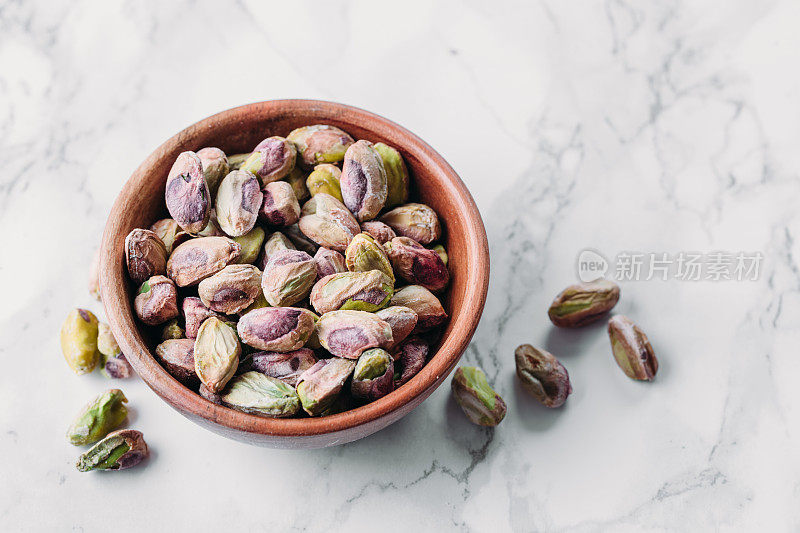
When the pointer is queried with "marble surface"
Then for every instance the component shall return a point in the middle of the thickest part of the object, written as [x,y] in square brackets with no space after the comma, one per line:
[617,126]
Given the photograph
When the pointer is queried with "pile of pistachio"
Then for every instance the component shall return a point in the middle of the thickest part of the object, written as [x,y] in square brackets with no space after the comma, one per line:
[541,374]
[275,309]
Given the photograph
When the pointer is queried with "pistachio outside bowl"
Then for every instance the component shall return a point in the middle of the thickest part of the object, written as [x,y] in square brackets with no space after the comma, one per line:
[237,130]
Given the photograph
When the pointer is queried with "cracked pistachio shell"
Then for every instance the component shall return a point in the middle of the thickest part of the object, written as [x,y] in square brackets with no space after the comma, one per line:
[416,264]
[288,277]
[79,340]
[215,167]
[187,195]
[157,301]
[250,244]
[439,249]
[359,291]
[632,349]
[286,366]
[329,262]
[379,231]
[280,206]
[98,418]
[238,201]
[320,144]
[410,356]
[542,375]
[583,303]
[348,333]
[430,312]
[94,276]
[373,376]
[396,174]
[121,449]
[173,330]
[216,353]
[415,221]
[166,229]
[300,240]
[177,358]
[231,289]
[401,319]
[194,313]
[364,254]
[297,179]
[325,178]
[197,259]
[363,181]
[327,222]
[235,161]
[320,386]
[256,393]
[276,329]
[481,404]
[275,243]
[271,160]
[145,255]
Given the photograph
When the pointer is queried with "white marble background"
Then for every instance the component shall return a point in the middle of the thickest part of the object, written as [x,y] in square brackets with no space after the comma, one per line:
[618,125]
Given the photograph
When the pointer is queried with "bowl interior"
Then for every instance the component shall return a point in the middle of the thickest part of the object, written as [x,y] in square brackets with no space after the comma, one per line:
[141,203]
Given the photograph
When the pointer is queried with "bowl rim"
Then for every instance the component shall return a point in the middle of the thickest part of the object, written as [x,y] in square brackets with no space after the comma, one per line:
[433,373]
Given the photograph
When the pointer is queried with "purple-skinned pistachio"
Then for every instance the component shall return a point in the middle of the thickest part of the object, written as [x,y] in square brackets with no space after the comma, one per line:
[280,206]
[379,231]
[472,392]
[401,319]
[157,301]
[320,386]
[288,277]
[299,239]
[363,181]
[329,262]
[285,366]
[177,358]
[360,291]
[373,376]
[542,375]
[276,329]
[327,222]
[417,264]
[325,178]
[145,255]
[216,353]
[215,167]
[231,289]
[273,159]
[582,303]
[415,221]
[166,229]
[348,333]
[410,356]
[119,450]
[364,254]
[187,195]
[194,313]
[320,144]
[396,174]
[197,259]
[238,201]
[632,349]
[430,312]
[276,242]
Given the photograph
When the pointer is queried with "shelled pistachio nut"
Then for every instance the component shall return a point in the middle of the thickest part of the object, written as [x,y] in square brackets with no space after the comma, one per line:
[145,255]
[276,242]
[196,259]
[216,353]
[258,303]
[121,449]
[238,201]
[439,249]
[360,291]
[373,376]
[194,313]
[271,160]
[364,253]
[325,179]
[79,340]
[329,262]
[256,393]
[288,277]
[173,330]
[632,349]
[157,301]
[416,264]
[297,180]
[250,243]
[396,174]
[430,312]
[285,366]
[276,329]
[401,319]
[415,221]
[542,375]
[348,333]
[280,206]
[112,363]
[410,356]
[166,229]
[187,195]
[481,404]
[320,386]
[98,418]
[583,303]
[231,289]
[320,144]
[363,181]
[235,161]
[379,231]
[177,358]
[327,222]
[215,167]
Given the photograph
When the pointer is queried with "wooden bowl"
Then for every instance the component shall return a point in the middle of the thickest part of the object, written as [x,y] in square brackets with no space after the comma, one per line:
[237,130]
